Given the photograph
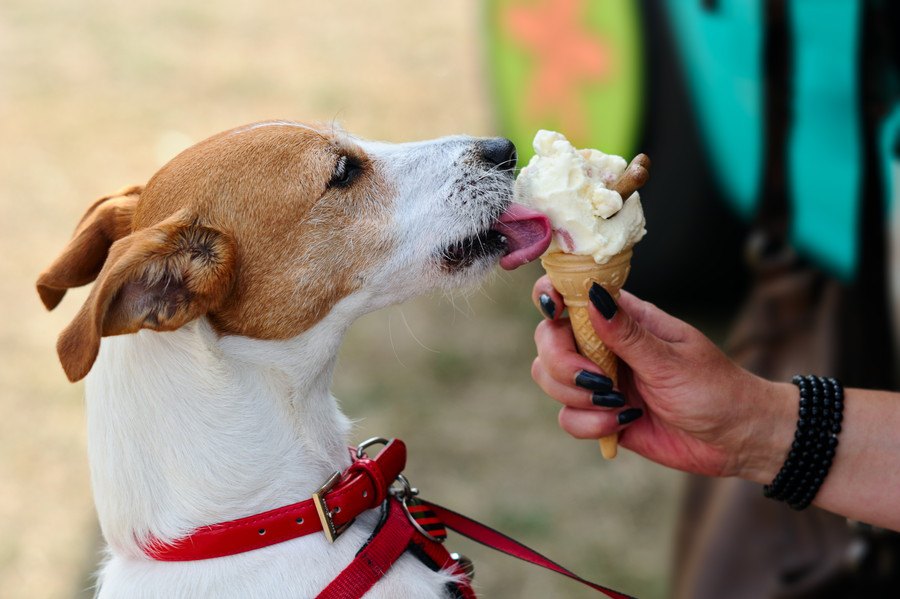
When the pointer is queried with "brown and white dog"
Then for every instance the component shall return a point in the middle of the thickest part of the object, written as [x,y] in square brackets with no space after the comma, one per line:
[255,250]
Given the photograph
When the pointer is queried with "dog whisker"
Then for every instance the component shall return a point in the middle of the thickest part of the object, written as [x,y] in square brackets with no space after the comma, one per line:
[391,339]
[413,335]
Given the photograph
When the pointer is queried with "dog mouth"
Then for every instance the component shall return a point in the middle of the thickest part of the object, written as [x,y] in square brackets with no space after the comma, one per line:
[517,236]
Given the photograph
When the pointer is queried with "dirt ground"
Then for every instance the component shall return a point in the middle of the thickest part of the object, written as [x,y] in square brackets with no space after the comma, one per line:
[98,94]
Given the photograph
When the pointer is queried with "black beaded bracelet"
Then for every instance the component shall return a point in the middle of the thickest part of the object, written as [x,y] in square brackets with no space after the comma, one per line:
[820,414]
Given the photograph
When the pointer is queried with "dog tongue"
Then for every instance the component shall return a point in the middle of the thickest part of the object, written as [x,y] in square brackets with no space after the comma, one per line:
[527,234]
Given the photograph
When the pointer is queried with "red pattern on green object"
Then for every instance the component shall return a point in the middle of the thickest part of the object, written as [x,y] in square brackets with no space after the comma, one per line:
[567,55]
[570,65]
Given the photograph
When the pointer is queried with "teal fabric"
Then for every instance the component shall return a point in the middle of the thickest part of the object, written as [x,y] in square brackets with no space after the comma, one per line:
[888,141]
[722,54]
[825,143]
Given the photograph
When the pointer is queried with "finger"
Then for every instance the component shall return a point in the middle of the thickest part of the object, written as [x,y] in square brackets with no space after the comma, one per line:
[577,397]
[622,334]
[547,299]
[565,394]
[593,424]
[660,323]
[556,348]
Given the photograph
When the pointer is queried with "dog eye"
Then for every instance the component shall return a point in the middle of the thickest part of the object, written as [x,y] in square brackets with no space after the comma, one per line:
[346,169]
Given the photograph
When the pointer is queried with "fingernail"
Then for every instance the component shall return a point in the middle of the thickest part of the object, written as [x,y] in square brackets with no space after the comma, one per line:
[548,306]
[593,381]
[629,415]
[603,301]
[611,399]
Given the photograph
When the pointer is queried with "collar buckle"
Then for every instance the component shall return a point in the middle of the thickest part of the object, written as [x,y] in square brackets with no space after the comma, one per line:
[326,515]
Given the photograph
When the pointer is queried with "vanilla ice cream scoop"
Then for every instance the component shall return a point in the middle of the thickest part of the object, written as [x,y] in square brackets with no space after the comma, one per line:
[581,192]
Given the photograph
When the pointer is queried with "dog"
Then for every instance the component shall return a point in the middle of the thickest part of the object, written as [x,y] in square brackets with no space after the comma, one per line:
[222,290]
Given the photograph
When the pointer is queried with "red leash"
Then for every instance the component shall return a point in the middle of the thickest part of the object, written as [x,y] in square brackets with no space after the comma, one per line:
[409,525]
[498,541]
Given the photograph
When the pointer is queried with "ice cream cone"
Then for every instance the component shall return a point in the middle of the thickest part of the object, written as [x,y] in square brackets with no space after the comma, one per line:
[572,275]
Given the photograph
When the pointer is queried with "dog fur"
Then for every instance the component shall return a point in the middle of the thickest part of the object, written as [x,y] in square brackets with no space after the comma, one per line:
[223,290]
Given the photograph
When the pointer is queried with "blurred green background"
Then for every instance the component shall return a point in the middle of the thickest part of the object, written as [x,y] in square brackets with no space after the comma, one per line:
[98,94]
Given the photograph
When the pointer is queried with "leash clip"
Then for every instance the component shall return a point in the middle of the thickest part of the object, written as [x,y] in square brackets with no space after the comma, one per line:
[419,513]
[326,515]
[405,491]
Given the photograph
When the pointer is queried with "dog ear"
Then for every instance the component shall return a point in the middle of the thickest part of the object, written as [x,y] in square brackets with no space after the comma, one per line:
[107,220]
[157,278]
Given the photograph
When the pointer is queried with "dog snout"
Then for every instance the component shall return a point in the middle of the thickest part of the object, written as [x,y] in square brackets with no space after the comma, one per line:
[499,152]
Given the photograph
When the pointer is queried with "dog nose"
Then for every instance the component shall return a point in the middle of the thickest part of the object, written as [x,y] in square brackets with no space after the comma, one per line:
[499,151]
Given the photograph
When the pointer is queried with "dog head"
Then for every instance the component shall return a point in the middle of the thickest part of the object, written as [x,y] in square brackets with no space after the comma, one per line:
[264,228]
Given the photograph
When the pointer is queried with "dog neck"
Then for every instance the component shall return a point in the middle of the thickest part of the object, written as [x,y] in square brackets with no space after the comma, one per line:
[188,428]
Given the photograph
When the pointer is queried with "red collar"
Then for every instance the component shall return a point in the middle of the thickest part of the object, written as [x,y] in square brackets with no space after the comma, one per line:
[408,524]
[363,486]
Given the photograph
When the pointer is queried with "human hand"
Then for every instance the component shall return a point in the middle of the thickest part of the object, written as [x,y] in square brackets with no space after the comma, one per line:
[702,413]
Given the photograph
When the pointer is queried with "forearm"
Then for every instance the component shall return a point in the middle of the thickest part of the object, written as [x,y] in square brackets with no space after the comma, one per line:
[864,480]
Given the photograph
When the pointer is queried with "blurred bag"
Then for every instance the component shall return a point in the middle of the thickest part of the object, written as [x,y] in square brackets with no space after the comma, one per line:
[732,542]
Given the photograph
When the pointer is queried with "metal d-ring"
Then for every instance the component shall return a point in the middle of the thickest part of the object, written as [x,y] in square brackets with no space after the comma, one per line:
[361,450]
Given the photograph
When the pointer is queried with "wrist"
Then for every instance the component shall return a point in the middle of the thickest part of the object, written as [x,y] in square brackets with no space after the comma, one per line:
[772,419]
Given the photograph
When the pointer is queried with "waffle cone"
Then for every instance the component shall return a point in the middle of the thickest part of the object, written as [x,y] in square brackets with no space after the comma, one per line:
[572,276]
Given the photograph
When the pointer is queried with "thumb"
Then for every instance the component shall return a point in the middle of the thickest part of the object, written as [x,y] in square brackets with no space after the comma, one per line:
[621,333]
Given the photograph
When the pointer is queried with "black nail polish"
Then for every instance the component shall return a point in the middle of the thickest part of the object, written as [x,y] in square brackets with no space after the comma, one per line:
[548,306]
[610,399]
[593,381]
[629,415]
[603,301]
